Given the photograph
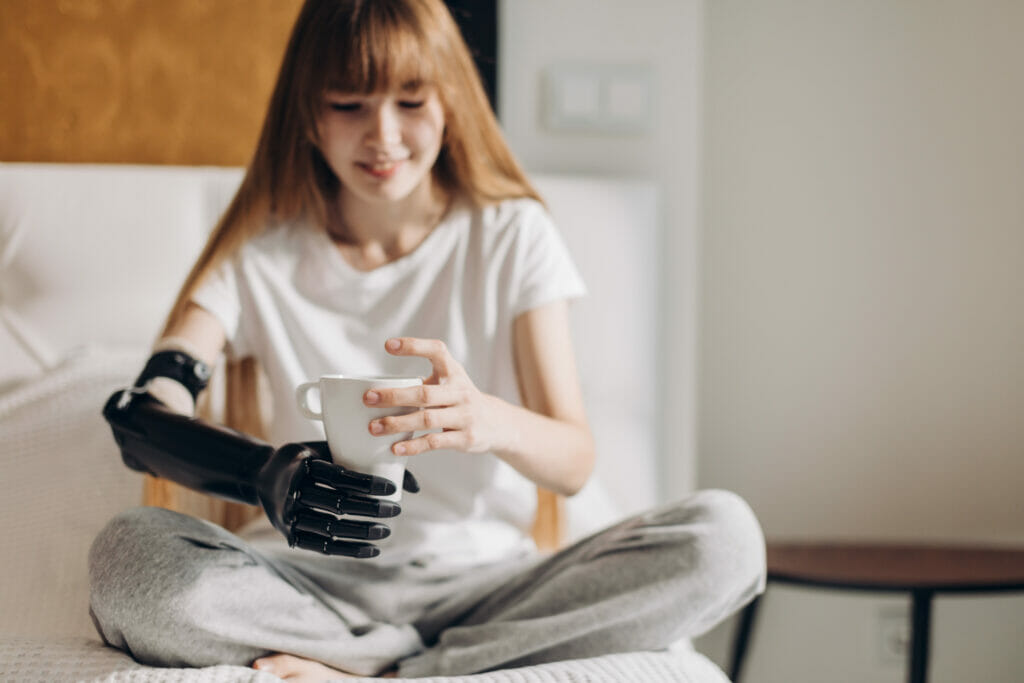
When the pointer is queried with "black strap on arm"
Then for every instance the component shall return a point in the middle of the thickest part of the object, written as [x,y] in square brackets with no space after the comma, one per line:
[190,372]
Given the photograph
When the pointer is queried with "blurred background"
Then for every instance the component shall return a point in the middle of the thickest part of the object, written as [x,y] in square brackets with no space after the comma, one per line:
[842,189]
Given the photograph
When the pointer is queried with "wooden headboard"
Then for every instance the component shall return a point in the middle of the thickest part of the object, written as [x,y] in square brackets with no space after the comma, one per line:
[135,81]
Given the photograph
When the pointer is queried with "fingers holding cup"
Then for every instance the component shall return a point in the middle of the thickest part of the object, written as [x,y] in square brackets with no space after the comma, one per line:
[346,415]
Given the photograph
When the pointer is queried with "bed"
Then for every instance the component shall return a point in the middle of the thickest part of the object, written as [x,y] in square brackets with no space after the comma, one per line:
[90,257]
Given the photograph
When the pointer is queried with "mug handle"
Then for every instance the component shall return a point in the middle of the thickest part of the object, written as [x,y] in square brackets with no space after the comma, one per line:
[302,396]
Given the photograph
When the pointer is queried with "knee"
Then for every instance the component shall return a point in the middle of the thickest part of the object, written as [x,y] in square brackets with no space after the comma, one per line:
[732,543]
[117,553]
[143,570]
[125,527]
[126,561]
[129,536]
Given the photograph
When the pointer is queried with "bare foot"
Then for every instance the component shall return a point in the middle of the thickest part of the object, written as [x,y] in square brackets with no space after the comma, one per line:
[292,668]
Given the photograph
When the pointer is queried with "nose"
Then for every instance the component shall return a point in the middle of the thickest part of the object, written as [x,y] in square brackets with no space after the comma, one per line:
[384,127]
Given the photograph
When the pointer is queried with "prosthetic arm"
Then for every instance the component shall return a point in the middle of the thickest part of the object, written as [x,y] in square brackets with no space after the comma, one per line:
[303,493]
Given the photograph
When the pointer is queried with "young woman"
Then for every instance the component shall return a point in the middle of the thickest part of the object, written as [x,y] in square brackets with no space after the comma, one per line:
[383,227]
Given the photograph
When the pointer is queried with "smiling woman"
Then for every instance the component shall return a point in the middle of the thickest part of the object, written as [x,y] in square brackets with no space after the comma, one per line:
[379,131]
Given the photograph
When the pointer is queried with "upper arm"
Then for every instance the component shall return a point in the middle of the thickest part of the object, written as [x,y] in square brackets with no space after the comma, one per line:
[546,364]
[201,331]
[198,333]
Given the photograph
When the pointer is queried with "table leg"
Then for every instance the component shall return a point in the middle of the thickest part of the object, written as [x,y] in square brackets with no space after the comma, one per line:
[920,635]
[742,639]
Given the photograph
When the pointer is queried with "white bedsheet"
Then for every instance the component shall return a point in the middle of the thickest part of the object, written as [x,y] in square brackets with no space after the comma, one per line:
[73,659]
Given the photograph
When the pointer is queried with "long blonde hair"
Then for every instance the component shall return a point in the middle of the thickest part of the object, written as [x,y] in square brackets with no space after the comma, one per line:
[354,46]
[360,46]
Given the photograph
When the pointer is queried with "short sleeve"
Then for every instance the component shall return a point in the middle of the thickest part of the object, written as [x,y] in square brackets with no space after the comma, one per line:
[545,269]
[219,295]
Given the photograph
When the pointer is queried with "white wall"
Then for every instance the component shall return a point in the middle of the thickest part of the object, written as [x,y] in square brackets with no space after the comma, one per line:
[861,253]
[862,336]
[663,35]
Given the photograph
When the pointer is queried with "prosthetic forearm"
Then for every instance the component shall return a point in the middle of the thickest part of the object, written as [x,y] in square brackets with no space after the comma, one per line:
[304,494]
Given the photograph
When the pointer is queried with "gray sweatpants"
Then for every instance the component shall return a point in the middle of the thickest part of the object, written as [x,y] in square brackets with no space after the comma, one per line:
[173,590]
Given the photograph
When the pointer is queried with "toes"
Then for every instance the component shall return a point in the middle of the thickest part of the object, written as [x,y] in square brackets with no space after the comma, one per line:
[296,669]
[279,665]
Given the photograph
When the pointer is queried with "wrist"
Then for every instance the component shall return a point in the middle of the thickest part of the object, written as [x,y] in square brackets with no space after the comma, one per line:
[507,436]
[172,394]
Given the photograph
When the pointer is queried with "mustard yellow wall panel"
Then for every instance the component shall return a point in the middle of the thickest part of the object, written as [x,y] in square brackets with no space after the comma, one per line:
[137,81]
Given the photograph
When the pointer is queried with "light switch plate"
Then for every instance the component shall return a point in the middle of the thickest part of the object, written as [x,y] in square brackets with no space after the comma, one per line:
[603,98]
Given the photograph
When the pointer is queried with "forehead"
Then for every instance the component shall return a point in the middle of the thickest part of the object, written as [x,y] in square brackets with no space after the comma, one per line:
[390,57]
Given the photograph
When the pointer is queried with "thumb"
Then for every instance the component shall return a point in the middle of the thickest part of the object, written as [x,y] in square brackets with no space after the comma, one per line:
[409,483]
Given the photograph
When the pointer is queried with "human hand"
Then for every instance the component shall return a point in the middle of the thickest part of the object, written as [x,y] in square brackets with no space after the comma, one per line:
[303,493]
[447,401]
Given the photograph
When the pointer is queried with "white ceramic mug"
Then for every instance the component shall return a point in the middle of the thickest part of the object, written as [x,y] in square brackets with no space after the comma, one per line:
[347,424]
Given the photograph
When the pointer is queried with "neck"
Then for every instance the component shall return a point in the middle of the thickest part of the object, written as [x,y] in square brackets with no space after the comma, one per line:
[356,221]
[370,234]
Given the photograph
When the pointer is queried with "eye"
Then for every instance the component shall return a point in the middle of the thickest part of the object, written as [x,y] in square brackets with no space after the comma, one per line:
[344,106]
[411,104]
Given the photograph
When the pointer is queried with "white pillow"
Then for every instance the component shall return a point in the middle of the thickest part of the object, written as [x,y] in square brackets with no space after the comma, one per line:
[63,479]
[96,253]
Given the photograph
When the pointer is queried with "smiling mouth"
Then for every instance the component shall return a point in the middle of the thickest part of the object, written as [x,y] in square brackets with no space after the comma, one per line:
[382,169]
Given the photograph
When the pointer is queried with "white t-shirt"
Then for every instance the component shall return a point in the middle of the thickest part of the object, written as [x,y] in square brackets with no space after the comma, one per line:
[290,299]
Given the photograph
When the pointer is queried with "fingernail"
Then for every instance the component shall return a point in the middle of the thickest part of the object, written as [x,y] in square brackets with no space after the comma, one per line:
[371,397]
[376,427]
[399,449]
[262,665]
[393,345]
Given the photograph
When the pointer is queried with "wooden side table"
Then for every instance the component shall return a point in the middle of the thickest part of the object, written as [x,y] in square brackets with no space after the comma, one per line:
[922,571]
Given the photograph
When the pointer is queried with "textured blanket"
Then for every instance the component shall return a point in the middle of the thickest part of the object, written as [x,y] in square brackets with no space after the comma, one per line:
[66,660]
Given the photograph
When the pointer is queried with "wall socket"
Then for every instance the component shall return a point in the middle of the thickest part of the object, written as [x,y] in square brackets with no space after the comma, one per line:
[892,627]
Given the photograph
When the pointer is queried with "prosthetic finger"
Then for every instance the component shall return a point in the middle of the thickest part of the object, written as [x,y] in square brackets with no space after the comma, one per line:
[291,482]
[343,503]
[409,483]
[327,525]
[338,477]
[329,546]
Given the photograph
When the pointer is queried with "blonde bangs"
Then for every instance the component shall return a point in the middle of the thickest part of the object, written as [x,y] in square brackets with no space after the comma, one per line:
[377,48]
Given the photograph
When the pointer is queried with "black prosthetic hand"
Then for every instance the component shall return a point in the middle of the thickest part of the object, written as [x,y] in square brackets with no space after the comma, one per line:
[305,495]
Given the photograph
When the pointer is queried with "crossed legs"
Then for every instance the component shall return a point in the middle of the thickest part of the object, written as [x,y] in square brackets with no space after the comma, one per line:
[176,591]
